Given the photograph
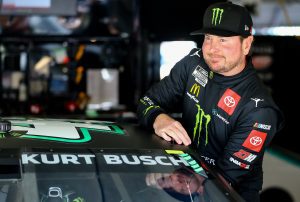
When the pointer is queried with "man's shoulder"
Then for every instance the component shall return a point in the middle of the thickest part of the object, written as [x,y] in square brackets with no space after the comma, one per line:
[259,100]
[195,59]
[191,61]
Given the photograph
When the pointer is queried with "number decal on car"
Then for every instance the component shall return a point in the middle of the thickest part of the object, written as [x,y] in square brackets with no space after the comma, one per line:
[62,131]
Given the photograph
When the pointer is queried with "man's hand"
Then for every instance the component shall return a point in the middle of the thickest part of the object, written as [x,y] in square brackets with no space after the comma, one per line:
[168,128]
[152,179]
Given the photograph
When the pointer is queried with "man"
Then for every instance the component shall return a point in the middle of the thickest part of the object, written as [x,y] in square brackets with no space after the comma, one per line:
[183,184]
[226,111]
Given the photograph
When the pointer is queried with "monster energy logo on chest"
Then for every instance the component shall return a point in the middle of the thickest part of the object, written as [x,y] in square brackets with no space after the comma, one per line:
[202,121]
[217,16]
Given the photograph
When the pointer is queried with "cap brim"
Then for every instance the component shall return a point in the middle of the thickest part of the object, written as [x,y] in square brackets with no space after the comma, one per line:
[217,32]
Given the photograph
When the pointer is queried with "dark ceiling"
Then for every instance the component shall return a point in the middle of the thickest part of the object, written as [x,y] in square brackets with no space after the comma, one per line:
[169,19]
[157,19]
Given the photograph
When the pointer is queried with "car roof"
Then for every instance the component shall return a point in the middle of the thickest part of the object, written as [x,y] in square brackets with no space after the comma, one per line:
[58,133]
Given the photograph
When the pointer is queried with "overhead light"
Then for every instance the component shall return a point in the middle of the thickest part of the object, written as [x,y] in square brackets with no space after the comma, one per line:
[278,31]
[42,63]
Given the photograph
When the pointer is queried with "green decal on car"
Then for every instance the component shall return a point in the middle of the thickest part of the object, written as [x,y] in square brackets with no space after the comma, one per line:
[189,159]
[10,134]
[174,152]
[195,166]
[61,131]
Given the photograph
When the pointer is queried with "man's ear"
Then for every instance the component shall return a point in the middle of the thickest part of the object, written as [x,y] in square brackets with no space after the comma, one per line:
[246,45]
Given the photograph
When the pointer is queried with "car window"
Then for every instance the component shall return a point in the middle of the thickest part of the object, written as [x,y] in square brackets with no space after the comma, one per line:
[108,175]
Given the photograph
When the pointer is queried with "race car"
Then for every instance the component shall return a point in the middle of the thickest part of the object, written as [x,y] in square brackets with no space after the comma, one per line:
[43,160]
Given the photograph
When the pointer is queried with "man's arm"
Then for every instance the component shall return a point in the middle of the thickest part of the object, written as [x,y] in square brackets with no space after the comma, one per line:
[153,116]
[244,151]
[161,99]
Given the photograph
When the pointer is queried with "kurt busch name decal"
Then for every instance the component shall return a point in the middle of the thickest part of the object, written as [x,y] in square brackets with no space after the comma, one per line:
[114,159]
[108,159]
[52,159]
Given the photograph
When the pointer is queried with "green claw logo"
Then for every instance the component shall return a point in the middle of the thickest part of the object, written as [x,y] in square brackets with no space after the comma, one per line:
[217,16]
[200,118]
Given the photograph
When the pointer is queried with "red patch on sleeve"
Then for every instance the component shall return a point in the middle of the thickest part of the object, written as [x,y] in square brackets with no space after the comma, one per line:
[255,140]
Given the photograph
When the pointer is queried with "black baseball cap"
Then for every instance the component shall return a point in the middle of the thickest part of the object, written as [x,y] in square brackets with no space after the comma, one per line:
[226,19]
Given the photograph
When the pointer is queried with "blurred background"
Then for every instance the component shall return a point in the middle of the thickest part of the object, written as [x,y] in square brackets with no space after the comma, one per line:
[94,59]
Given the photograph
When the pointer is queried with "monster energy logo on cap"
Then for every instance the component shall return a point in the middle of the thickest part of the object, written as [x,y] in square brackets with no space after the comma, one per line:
[200,118]
[217,16]
[226,19]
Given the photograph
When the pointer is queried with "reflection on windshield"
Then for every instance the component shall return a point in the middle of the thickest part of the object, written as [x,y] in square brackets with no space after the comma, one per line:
[181,184]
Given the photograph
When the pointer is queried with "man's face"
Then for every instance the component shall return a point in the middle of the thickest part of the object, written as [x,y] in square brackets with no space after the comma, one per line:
[181,183]
[226,55]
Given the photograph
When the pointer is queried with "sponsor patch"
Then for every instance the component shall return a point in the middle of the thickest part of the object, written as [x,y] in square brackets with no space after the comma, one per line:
[196,53]
[209,160]
[262,126]
[195,89]
[255,140]
[192,97]
[148,100]
[215,113]
[236,162]
[202,121]
[256,100]
[201,75]
[229,101]
[244,155]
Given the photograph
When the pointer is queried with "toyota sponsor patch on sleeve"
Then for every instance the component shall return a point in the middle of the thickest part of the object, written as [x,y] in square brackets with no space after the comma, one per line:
[255,140]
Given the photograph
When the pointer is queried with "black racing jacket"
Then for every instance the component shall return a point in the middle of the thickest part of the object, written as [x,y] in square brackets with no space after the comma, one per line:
[230,119]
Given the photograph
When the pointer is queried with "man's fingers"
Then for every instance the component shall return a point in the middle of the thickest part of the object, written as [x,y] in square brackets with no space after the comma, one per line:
[170,134]
[165,136]
[175,135]
[185,137]
[168,128]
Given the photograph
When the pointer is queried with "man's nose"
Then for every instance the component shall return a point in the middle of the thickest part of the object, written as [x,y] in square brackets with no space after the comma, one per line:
[214,45]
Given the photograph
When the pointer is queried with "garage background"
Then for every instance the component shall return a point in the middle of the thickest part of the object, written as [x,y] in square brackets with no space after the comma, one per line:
[95,58]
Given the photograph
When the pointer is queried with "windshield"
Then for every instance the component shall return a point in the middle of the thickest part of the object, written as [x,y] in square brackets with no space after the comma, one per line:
[106,175]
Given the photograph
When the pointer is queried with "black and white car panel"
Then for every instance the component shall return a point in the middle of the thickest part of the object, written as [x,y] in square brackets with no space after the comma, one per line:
[87,160]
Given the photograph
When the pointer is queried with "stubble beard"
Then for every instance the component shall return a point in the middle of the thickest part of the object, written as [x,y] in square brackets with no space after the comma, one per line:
[224,69]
